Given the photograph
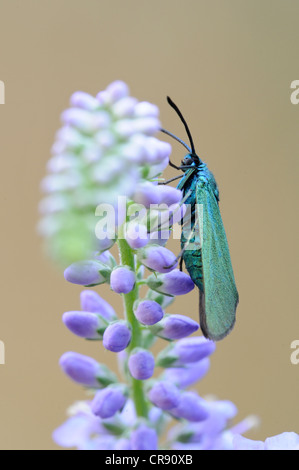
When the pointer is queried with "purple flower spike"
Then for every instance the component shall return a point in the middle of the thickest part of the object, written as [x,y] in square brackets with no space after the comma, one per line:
[117,336]
[85,324]
[141,364]
[122,280]
[148,312]
[108,401]
[85,370]
[165,395]
[86,273]
[175,326]
[191,407]
[157,258]
[174,283]
[91,301]
[144,438]
[193,349]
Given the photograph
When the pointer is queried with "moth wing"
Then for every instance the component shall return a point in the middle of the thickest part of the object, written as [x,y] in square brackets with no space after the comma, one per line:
[219,298]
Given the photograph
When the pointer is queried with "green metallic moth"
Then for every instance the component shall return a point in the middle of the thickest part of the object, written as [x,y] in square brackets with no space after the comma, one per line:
[204,245]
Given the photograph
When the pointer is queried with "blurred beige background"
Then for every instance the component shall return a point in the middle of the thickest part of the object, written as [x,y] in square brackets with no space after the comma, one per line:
[229,65]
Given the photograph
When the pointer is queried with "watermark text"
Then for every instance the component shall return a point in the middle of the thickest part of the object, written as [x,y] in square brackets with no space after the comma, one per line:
[2,92]
[153,223]
[2,353]
[295,354]
[295,94]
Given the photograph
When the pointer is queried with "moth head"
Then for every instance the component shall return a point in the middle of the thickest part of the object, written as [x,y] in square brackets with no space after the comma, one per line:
[190,159]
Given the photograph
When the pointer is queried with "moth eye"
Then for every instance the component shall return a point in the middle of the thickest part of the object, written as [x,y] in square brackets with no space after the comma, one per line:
[187,160]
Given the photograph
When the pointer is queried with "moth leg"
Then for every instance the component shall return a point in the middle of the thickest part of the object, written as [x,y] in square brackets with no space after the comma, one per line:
[180,256]
[160,226]
[172,179]
[174,166]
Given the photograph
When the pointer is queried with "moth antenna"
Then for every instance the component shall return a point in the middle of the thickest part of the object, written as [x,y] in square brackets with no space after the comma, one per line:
[177,139]
[174,106]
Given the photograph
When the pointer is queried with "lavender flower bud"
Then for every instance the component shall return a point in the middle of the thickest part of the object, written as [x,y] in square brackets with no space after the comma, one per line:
[188,350]
[91,301]
[87,273]
[144,438]
[175,326]
[183,377]
[106,258]
[115,91]
[161,299]
[158,168]
[125,107]
[169,195]
[136,235]
[85,370]
[117,336]
[122,280]
[148,312]
[157,258]
[165,395]
[141,364]
[83,100]
[194,349]
[173,283]
[85,324]
[143,108]
[147,194]
[191,407]
[108,401]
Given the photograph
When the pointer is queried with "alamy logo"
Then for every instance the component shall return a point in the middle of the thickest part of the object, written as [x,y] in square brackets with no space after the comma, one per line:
[295,354]
[155,222]
[2,92]
[295,94]
[2,353]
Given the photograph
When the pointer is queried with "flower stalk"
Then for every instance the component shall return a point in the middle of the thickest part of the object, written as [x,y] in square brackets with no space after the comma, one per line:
[127,258]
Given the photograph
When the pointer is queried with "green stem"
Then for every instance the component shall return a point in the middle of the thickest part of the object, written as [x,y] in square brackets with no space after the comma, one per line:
[127,259]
